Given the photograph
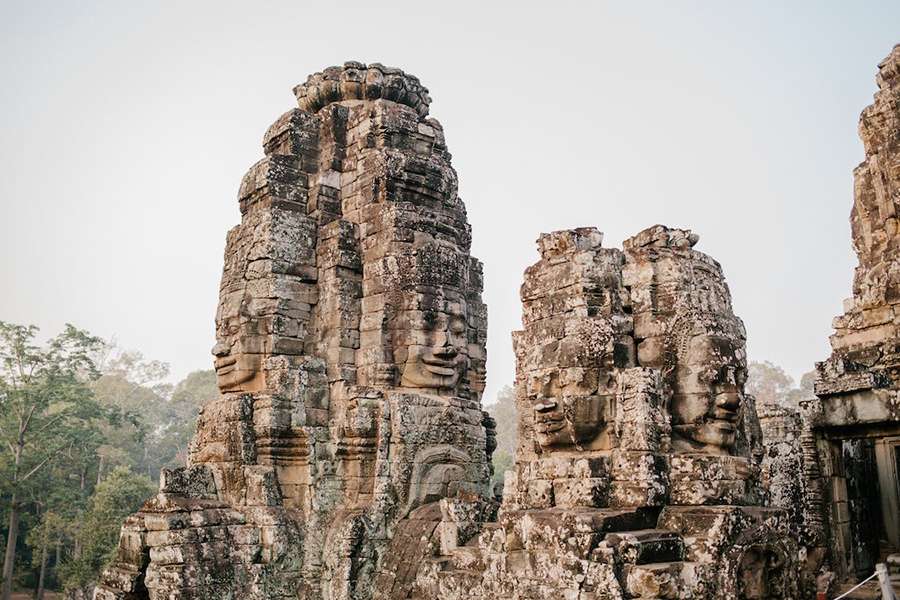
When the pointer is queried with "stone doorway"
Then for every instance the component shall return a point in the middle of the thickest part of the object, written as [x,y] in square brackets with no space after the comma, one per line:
[871,468]
[887,457]
[863,503]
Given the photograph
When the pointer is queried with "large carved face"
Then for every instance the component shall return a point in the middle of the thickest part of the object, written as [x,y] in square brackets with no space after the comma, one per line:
[568,421]
[567,410]
[431,350]
[708,394]
[239,346]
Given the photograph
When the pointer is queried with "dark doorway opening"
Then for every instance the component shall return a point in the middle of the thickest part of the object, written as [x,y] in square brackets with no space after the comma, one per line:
[863,504]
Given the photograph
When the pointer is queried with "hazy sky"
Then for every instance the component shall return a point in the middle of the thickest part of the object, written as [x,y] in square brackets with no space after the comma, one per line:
[125,129]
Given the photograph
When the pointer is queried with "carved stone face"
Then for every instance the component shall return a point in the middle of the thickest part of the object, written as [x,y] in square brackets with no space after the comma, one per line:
[438,472]
[431,352]
[567,408]
[239,348]
[708,394]
[569,421]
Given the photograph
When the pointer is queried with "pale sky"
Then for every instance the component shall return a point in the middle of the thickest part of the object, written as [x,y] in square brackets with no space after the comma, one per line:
[125,128]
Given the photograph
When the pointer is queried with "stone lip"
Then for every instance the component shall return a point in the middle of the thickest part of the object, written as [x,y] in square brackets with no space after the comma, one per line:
[358,81]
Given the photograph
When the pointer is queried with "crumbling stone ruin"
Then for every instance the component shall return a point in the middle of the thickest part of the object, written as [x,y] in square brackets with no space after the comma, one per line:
[851,431]
[348,457]
[350,356]
[835,465]
[637,471]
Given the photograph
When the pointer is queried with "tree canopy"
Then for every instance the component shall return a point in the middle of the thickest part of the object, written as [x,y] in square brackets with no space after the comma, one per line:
[85,428]
[770,384]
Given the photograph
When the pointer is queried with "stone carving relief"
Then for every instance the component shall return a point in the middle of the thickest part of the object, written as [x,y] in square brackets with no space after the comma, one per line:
[684,326]
[760,574]
[635,475]
[707,397]
[348,456]
[350,354]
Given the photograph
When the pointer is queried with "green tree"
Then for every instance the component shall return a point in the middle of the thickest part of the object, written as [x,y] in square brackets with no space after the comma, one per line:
[503,462]
[189,396]
[136,388]
[57,502]
[771,385]
[118,495]
[768,382]
[42,539]
[505,414]
[46,410]
[163,417]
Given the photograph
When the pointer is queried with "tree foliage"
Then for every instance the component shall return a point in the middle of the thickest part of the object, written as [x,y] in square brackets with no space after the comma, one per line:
[771,385]
[506,416]
[47,414]
[84,427]
[116,497]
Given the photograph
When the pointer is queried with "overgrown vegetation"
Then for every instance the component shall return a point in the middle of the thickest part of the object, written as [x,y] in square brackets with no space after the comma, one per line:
[85,428]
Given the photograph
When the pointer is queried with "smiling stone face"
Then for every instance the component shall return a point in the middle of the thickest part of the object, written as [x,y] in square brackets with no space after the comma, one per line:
[265,295]
[239,347]
[570,421]
[435,352]
[433,318]
[576,335]
[708,394]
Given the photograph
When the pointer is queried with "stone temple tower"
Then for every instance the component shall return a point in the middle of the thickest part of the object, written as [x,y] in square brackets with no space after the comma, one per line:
[637,470]
[350,356]
[347,456]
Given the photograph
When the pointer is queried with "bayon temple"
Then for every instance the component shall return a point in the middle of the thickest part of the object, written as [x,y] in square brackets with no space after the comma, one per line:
[348,456]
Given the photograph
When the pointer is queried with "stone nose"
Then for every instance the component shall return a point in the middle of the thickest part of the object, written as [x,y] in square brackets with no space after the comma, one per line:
[730,401]
[220,349]
[442,341]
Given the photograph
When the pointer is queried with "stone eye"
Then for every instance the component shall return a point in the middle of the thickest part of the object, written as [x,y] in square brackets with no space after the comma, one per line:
[457,326]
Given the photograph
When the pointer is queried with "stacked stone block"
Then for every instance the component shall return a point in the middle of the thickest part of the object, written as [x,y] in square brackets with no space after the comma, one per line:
[637,470]
[849,431]
[350,356]
[865,349]
[348,456]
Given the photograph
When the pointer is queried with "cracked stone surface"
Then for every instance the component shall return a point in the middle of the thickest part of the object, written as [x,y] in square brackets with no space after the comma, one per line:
[350,356]
[348,456]
[842,432]
[638,472]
